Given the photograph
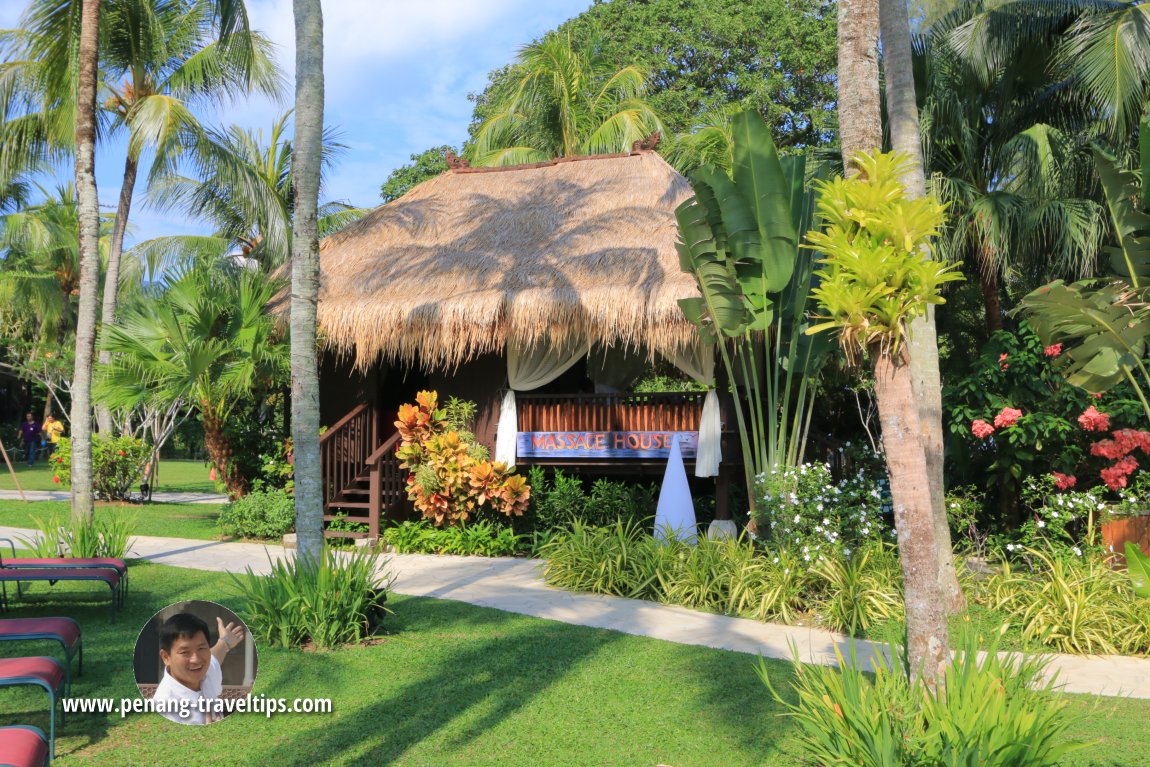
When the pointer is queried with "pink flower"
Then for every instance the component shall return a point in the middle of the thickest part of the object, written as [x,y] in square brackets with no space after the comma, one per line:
[1053,350]
[1064,481]
[1097,395]
[1115,476]
[981,429]
[1002,361]
[1092,420]
[1007,417]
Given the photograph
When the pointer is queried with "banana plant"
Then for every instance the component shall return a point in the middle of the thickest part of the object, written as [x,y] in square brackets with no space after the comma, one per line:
[1138,567]
[740,237]
[1104,324]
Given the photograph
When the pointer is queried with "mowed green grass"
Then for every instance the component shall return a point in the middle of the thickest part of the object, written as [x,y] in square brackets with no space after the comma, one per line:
[174,476]
[173,520]
[453,684]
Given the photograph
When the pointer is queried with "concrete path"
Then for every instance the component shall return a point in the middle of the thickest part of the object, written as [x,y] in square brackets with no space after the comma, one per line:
[515,585]
[64,495]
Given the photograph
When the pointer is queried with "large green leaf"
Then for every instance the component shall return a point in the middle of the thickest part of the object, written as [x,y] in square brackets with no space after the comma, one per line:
[720,308]
[1131,258]
[1138,566]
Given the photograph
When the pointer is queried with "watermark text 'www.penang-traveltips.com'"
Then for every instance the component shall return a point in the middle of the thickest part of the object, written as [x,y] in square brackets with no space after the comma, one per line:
[253,704]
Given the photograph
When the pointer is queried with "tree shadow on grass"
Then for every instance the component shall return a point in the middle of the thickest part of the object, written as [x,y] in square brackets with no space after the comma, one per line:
[477,681]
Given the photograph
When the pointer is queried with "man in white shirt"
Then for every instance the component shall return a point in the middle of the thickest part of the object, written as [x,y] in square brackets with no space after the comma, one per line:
[192,668]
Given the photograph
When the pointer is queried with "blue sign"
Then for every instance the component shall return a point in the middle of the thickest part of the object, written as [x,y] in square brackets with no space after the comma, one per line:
[604,444]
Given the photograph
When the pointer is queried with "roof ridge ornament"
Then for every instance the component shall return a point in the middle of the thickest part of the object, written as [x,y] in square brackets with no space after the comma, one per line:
[646,145]
[454,162]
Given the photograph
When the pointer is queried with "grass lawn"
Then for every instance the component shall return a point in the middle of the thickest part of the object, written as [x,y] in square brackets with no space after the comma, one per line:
[453,684]
[174,476]
[175,520]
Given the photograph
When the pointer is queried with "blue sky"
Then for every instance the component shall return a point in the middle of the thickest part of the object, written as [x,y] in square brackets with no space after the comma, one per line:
[397,76]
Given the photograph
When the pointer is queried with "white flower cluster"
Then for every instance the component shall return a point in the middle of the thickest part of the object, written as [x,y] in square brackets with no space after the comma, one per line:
[803,506]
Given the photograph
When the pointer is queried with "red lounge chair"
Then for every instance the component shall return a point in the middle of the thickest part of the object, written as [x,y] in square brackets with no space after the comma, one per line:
[17,575]
[42,672]
[72,563]
[23,746]
[66,631]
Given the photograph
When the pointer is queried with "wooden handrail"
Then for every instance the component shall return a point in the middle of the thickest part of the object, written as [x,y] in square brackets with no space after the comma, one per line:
[332,431]
[383,449]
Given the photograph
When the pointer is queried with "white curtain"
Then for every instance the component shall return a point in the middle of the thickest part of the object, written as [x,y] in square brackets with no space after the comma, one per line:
[527,369]
[698,361]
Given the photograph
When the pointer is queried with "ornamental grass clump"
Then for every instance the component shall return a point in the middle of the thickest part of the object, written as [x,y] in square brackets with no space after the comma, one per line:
[336,600]
[109,534]
[987,710]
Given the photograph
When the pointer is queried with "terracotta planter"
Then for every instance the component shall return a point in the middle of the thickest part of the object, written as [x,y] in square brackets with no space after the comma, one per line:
[1117,532]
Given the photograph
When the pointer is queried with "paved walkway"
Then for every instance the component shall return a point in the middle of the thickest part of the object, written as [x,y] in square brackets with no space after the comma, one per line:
[515,585]
[64,495]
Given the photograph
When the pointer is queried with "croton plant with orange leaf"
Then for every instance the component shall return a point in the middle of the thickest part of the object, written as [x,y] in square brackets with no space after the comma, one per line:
[451,477]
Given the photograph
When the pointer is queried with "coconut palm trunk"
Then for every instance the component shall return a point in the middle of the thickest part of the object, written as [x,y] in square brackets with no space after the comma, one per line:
[89,215]
[927,641]
[902,119]
[112,276]
[219,449]
[860,113]
[305,277]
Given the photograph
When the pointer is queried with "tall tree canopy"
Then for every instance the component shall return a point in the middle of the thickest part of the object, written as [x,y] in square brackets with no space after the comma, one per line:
[701,56]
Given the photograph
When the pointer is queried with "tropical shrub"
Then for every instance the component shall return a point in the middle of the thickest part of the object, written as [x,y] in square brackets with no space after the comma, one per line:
[117,464]
[276,471]
[109,535]
[483,539]
[804,507]
[259,514]
[336,600]
[860,590]
[1071,604]
[988,711]
[560,499]
[451,478]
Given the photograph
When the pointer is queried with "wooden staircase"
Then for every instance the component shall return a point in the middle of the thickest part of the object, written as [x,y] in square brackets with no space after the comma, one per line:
[362,480]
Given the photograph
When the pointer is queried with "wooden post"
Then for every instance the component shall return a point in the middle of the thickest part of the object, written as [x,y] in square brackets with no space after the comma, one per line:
[375,499]
[12,471]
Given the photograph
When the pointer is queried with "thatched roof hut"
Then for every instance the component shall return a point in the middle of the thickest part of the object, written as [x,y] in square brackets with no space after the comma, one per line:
[581,248]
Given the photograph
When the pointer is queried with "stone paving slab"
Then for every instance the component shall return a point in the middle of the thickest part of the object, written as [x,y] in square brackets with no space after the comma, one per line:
[64,495]
[516,585]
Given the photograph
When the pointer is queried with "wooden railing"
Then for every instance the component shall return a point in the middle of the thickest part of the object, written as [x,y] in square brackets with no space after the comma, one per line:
[387,483]
[656,411]
[344,450]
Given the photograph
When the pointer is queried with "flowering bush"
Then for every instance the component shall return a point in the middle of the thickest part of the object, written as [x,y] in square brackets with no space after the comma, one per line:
[277,471]
[451,478]
[117,463]
[1059,520]
[805,508]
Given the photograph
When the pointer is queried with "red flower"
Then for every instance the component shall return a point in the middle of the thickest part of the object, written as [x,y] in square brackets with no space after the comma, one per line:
[56,480]
[1097,395]
[1053,350]
[1007,417]
[1092,420]
[1115,476]
[981,429]
[1002,361]
[121,452]
[1064,481]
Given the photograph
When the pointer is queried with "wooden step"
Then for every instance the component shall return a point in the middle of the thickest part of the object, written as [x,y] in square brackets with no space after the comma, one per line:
[342,534]
[349,504]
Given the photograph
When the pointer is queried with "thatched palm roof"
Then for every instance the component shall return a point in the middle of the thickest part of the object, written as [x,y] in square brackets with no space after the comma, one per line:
[583,247]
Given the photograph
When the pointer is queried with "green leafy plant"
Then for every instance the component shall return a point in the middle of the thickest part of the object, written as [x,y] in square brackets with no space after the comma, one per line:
[987,711]
[117,465]
[861,590]
[259,514]
[108,535]
[336,600]
[559,499]
[483,538]
[740,238]
[1138,567]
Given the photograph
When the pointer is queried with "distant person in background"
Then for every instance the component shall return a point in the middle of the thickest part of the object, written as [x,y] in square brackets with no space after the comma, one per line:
[30,433]
[53,430]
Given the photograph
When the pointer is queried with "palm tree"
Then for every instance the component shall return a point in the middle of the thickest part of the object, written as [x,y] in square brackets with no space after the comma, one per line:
[89,213]
[245,188]
[878,276]
[205,340]
[567,102]
[307,166]
[860,110]
[902,122]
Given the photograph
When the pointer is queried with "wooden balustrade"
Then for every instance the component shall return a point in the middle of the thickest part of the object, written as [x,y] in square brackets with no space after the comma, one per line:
[344,450]
[655,411]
